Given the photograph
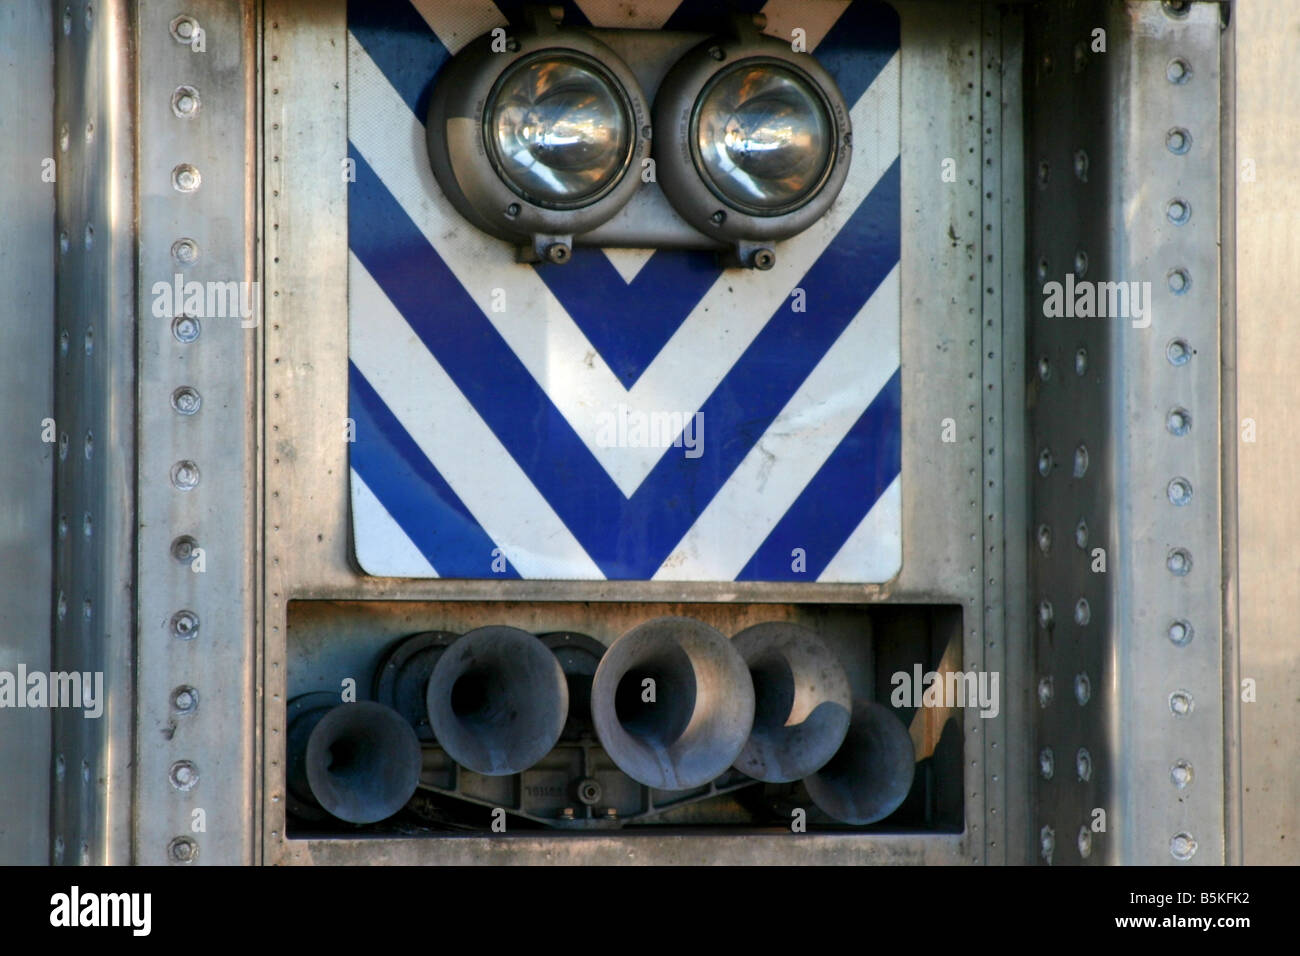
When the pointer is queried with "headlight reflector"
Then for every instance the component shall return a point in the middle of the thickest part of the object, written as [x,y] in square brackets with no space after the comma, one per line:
[762,135]
[559,130]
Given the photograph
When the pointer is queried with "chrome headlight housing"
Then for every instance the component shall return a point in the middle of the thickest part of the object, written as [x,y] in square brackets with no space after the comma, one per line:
[538,138]
[754,140]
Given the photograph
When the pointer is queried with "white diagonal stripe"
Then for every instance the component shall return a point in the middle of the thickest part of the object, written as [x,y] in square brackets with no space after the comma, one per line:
[874,551]
[797,443]
[538,330]
[628,262]
[456,24]
[383,549]
[457,441]
[814,17]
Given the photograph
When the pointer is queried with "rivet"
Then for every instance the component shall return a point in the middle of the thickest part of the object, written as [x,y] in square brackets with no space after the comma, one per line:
[1179,71]
[65,138]
[1178,211]
[1178,421]
[60,768]
[1081,165]
[1081,362]
[182,850]
[185,328]
[88,341]
[85,772]
[1178,141]
[90,133]
[185,101]
[186,400]
[185,625]
[63,526]
[1179,281]
[183,775]
[186,178]
[1180,491]
[1182,846]
[1181,703]
[1045,615]
[1044,368]
[1178,352]
[1045,462]
[87,609]
[512,210]
[1044,536]
[1044,172]
[183,29]
[1080,56]
[185,251]
[1082,689]
[89,16]
[85,847]
[58,841]
[1080,264]
[1046,691]
[1085,841]
[185,475]
[61,606]
[88,446]
[1047,843]
[185,700]
[1180,633]
[87,525]
[63,446]
[1181,774]
[1043,267]
[64,245]
[1080,461]
[183,549]
[1046,763]
[1177,9]
[1178,561]
[67,21]
[716,53]
[1083,765]
[1082,612]
[718,217]
[89,237]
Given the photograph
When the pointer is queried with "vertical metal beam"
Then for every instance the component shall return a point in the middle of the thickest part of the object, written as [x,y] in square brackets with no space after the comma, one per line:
[27,396]
[1268,348]
[199,332]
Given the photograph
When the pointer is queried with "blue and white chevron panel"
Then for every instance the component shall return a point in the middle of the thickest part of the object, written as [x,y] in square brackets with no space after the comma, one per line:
[630,415]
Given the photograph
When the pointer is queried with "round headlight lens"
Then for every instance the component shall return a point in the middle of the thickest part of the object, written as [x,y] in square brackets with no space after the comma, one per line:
[763,137]
[559,130]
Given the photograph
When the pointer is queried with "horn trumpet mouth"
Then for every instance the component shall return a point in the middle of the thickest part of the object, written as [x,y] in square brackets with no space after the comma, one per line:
[673,703]
[803,702]
[871,774]
[497,700]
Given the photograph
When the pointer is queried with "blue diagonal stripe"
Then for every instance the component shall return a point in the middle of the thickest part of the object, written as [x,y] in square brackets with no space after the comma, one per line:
[839,496]
[412,491]
[626,538]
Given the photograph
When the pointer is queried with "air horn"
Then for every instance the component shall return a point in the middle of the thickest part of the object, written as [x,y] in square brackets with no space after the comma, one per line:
[359,762]
[802,702]
[673,703]
[497,700]
[871,774]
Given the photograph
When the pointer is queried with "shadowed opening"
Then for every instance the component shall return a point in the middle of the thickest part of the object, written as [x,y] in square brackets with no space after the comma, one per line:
[662,720]
[480,699]
[773,692]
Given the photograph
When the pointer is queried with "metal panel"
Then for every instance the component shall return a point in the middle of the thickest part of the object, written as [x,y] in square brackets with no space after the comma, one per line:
[1124,421]
[197,412]
[944,318]
[94,405]
[27,396]
[1261,431]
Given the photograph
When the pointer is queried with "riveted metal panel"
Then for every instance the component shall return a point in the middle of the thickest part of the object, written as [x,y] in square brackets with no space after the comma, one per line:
[945,323]
[1124,421]
[199,319]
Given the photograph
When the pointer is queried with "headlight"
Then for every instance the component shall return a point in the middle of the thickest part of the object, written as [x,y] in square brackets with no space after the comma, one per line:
[762,136]
[753,141]
[537,141]
[559,130]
